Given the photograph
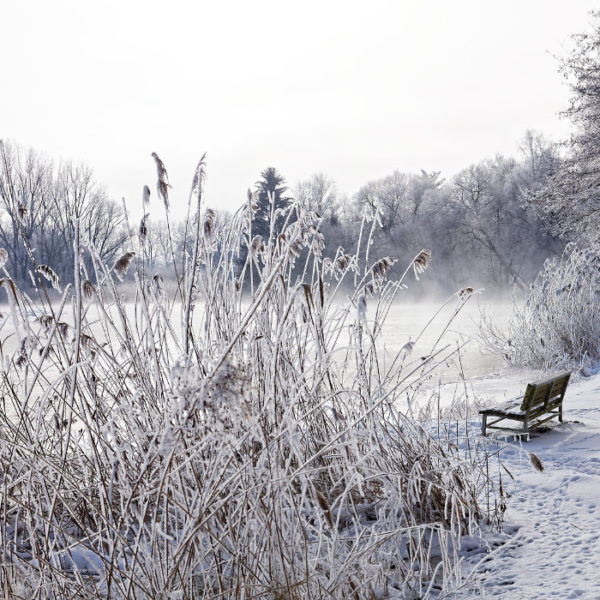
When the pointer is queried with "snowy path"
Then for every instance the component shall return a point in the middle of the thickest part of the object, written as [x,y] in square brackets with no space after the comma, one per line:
[556,551]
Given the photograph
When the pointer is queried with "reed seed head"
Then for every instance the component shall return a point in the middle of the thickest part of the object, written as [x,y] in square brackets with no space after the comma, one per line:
[210,218]
[143,231]
[162,185]
[87,288]
[421,262]
[50,275]
[123,263]
[536,462]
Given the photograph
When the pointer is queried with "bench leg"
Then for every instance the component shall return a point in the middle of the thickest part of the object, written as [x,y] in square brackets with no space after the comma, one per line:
[483,424]
[526,426]
[560,413]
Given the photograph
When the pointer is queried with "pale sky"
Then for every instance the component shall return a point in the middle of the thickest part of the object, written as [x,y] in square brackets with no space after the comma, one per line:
[351,89]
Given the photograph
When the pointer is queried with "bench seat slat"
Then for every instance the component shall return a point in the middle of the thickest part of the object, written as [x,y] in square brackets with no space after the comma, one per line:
[493,412]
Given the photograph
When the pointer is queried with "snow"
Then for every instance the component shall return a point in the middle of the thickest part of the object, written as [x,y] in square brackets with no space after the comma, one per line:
[555,551]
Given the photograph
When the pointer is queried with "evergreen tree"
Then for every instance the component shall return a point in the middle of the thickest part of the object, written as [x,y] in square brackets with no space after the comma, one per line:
[273,204]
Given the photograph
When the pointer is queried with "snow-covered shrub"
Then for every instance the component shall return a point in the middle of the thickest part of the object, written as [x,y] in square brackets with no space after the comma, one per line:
[217,443]
[559,324]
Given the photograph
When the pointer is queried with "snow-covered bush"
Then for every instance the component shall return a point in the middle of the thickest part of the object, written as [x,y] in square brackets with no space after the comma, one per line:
[217,443]
[559,324]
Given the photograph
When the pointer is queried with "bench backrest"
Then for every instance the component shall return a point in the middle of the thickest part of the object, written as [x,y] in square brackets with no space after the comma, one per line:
[540,394]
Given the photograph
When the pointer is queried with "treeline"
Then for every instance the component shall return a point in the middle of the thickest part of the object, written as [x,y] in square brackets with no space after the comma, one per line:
[479,223]
[40,204]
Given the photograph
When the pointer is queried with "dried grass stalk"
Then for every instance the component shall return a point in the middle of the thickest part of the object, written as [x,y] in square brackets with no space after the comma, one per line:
[199,176]
[45,321]
[87,288]
[162,185]
[122,264]
[382,266]
[407,348]
[536,462]
[143,231]
[257,244]
[156,285]
[50,275]
[421,262]
[146,196]
[21,359]
[210,217]
[63,328]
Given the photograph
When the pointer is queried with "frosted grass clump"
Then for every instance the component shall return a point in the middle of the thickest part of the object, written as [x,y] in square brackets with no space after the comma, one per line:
[559,324]
[234,438]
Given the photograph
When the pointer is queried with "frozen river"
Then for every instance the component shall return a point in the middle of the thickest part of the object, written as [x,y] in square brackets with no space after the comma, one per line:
[409,322]
[406,322]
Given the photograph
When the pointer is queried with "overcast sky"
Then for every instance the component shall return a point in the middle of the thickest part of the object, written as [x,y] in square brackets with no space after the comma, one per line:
[351,89]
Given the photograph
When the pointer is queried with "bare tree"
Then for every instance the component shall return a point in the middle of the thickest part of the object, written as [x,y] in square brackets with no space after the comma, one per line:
[41,204]
[542,160]
[26,190]
[320,194]
[78,196]
[389,196]
[491,221]
[570,200]
[422,186]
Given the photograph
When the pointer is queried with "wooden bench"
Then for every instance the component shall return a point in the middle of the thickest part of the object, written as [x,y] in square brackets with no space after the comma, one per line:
[543,401]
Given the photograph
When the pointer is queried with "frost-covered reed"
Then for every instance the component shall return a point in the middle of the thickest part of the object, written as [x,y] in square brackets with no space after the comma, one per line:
[238,440]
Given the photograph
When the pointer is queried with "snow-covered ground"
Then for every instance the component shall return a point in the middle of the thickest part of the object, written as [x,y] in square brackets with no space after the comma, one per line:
[555,549]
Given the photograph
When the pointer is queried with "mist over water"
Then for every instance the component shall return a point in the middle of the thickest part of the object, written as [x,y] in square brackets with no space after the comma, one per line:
[430,323]
[410,322]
